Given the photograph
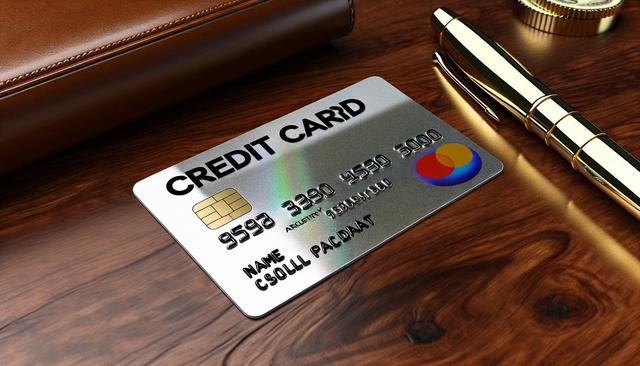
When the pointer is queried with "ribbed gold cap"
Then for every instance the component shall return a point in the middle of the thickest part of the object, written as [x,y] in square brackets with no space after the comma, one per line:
[571,18]
[582,9]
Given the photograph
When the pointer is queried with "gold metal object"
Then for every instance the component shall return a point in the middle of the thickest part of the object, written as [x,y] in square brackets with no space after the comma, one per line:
[571,18]
[578,140]
[574,158]
[439,60]
[534,107]
[547,137]
[582,9]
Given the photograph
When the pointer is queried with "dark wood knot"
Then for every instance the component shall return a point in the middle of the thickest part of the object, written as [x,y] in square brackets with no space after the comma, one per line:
[424,331]
[561,307]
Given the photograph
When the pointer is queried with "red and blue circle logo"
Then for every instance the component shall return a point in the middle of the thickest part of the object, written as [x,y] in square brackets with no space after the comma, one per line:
[448,165]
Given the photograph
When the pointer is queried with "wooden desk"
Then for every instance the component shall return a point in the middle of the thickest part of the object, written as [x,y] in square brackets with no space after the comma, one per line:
[536,267]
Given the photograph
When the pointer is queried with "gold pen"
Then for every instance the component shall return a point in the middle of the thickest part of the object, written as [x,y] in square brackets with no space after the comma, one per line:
[589,150]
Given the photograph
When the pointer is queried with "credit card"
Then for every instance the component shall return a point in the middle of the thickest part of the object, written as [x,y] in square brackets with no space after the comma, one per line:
[272,212]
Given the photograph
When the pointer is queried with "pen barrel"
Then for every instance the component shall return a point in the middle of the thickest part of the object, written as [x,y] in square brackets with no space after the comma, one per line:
[585,146]
[589,150]
[487,64]
[612,169]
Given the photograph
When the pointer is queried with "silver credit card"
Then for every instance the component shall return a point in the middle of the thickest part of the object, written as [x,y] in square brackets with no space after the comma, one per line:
[278,209]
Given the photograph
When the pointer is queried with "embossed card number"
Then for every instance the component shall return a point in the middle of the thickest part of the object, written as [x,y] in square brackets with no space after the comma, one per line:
[313,196]
[240,233]
[273,212]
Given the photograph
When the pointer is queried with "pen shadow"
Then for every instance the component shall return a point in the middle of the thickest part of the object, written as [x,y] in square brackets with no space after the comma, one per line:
[615,254]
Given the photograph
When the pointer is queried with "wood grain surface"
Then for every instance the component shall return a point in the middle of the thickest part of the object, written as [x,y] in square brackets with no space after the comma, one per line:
[537,267]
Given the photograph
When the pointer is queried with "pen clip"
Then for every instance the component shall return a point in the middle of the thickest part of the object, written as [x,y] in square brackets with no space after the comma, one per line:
[439,60]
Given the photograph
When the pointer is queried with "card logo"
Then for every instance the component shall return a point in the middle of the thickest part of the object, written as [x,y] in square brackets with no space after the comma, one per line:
[448,165]
[221,208]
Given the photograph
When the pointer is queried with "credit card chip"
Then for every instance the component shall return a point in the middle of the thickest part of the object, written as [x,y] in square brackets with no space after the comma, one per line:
[221,208]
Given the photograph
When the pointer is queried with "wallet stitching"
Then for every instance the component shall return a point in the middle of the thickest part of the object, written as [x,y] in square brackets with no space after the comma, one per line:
[120,42]
[352,20]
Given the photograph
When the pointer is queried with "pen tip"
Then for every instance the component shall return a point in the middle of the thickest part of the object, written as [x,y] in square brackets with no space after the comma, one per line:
[492,114]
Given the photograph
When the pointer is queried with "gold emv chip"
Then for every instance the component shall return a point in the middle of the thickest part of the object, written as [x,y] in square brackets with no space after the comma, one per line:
[221,208]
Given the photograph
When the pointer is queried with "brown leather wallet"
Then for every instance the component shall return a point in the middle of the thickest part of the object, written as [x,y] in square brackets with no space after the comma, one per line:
[69,72]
